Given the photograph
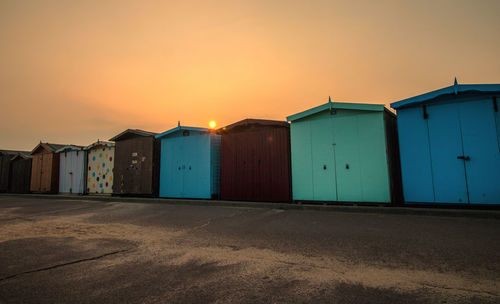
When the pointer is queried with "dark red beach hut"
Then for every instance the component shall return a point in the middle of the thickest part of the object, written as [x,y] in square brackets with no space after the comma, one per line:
[255,161]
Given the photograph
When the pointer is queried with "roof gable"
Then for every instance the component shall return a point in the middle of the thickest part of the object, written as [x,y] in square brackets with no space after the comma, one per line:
[337,105]
[99,143]
[250,122]
[21,156]
[182,128]
[453,90]
[48,147]
[13,152]
[131,133]
[69,148]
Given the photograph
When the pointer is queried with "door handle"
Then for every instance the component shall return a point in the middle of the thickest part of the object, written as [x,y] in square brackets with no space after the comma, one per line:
[463,157]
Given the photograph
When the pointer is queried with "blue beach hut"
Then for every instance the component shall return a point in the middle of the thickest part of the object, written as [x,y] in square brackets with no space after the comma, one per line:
[449,142]
[189,163]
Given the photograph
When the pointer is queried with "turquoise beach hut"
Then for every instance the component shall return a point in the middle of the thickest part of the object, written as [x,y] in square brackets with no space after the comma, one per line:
[345,152]
[450,145]
[189,163]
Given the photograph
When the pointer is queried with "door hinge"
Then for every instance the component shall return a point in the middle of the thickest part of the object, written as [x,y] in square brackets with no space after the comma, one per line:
[424,108]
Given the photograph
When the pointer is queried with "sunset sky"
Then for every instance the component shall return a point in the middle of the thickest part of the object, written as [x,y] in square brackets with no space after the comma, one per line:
[76,71]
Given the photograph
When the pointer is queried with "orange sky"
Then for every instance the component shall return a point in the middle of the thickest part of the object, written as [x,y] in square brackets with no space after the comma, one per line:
[76,71]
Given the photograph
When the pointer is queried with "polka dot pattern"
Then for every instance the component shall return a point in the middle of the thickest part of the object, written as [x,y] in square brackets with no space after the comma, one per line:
[100,177]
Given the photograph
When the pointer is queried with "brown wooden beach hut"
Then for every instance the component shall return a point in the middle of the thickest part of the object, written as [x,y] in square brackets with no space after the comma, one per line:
[45,168]
[137,163]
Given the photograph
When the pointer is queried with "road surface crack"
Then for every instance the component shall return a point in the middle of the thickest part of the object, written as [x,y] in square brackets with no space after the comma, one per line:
[64,264]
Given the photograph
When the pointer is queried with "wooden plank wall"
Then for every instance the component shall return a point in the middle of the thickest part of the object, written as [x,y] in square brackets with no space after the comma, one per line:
[255,164]
[20,176]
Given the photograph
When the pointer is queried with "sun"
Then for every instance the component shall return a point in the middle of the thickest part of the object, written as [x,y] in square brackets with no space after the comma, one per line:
[212,124]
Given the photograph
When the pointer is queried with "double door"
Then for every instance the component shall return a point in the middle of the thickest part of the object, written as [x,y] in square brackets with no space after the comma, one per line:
[348,156]
[465,152]
[71,172]
[187,171]
[41,175]
[336,158]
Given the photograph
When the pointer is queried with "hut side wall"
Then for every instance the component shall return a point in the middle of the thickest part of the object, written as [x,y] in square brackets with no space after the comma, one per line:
[393,158]
[255,164]
[4,172]
[20,176]
[71,171]
[100,168]
[134,174]
[215,146]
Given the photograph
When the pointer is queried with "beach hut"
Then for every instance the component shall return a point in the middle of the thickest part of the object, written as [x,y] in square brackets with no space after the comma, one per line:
[45,168]
[345,152]
[189,163]
[5,167]
[137,155]
[20,173]
[100,164]
[255,161]
[450,145]
[72,169]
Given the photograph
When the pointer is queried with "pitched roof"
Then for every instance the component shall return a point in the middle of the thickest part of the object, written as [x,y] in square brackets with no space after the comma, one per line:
[13,152]
[132,133]
[337,105]
[22,155]
[181,128]
[452,90]
[48,146]
[69,147]
[254,122]
[99,143]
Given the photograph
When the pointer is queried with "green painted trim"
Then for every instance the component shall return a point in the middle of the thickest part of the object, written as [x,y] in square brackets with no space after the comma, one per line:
[338,105]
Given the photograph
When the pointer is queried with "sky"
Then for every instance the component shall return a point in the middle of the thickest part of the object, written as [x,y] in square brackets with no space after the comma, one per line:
[72,72]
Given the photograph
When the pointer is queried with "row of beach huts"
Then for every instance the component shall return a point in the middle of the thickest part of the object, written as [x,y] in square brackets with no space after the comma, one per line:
[441,147]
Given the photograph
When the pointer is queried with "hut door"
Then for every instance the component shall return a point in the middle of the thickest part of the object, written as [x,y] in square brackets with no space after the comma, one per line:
[36,173]
[481,151]
[347,162]
[46,177]
[172,159]
[445,141]
[324,179]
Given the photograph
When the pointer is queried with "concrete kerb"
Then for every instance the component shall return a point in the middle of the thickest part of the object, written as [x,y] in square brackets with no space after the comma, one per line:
[382,209]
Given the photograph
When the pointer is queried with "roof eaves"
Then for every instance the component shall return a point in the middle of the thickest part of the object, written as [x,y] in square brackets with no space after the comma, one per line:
[450,90]
[133,131]
[339,106]
[180,128]
[99,143]
[69,147]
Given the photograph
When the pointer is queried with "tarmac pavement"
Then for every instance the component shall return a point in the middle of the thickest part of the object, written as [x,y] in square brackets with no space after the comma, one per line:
[79,250]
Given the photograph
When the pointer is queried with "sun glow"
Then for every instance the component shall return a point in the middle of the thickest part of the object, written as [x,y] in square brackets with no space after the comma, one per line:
[212,124]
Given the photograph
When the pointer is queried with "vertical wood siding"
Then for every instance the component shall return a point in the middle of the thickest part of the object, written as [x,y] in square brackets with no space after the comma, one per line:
[45,173]
[20,176]
[4,171]
[72,171]
[255,164]
[136,171]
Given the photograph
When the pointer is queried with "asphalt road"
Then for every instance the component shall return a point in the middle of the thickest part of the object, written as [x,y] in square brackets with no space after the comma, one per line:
[82,251]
